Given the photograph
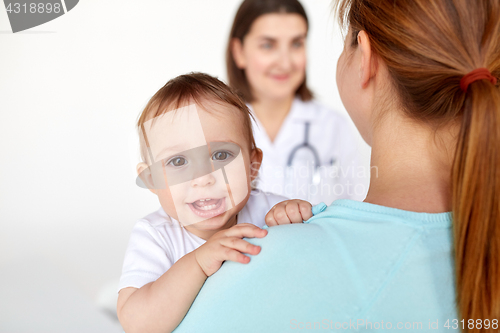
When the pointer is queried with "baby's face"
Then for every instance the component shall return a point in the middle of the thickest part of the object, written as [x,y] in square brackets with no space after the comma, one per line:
[201,170]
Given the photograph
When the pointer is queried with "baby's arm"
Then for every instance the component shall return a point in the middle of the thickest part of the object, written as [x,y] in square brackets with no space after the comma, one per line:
[289,211]
[160,306]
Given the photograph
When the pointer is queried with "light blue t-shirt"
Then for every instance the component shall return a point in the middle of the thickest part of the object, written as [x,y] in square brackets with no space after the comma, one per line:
[353,267]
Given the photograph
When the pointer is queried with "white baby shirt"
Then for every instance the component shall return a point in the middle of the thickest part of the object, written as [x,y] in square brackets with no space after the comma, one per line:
[157,241]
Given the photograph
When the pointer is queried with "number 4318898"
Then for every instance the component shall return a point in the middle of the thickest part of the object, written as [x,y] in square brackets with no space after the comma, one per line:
[471,323]
[33,8]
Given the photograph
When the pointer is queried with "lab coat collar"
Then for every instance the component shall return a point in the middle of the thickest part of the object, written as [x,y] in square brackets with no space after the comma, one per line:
[299,110]
[289,120]
[303,111]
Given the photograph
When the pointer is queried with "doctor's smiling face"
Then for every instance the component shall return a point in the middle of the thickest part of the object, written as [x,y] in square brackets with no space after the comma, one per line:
[273,54]
[200,167]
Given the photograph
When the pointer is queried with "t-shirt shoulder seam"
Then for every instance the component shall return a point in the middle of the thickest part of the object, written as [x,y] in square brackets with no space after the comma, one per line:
[154,231]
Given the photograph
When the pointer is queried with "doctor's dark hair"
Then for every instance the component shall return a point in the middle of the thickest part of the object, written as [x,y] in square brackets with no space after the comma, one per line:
[248,12]
[428,46]
[198,88]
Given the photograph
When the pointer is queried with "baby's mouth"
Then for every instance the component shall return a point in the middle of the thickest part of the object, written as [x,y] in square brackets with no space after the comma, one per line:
[209,207]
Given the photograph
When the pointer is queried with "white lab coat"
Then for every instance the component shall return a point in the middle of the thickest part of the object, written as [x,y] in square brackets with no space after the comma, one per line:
[340,175]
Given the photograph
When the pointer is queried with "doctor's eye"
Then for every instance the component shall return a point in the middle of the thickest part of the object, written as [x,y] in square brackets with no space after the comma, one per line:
[221,155]
[177,161]
[266,46]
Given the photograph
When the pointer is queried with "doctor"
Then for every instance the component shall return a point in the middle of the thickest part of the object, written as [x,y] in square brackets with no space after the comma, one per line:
[309,150]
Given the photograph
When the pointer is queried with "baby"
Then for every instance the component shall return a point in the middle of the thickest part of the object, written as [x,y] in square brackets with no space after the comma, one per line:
[199,158]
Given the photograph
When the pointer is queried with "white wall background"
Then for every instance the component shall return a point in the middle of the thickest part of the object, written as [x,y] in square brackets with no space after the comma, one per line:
[70,92]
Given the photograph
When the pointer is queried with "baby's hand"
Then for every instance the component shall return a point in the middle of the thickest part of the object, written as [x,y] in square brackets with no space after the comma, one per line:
[290,211]
[228,245]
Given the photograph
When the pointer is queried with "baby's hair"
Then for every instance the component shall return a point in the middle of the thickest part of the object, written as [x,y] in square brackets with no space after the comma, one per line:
[200,88]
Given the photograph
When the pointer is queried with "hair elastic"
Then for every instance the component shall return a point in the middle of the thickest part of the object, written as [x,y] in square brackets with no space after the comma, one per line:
[475,75]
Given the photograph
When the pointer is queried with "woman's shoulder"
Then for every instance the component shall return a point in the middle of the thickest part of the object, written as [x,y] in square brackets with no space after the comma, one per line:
[349,224]
[368,261]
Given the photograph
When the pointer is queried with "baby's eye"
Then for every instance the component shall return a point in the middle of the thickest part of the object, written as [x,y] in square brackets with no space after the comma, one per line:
[221,155]
[177,161]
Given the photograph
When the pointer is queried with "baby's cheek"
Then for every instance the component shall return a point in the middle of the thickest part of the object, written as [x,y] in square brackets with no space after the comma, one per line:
[167,202]
[238,179]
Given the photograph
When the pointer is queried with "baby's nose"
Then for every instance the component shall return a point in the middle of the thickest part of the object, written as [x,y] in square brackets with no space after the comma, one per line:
[205,180]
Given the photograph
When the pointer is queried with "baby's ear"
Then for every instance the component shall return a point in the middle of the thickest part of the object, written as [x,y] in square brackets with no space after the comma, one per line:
[144,174]
[255,162]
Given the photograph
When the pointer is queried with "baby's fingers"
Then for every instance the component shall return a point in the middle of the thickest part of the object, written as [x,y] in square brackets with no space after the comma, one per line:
[227,253]
[245,230]
[279,213]
[270,220]
[305,210]
[293,212]
[240,245]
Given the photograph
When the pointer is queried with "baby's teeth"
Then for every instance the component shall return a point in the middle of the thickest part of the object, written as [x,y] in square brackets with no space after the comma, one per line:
[209,207]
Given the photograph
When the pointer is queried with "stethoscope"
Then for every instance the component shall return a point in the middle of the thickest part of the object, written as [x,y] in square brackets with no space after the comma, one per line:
[316,178]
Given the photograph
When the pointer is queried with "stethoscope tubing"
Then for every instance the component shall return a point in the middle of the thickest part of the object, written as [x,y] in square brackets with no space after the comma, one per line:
[305,145]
